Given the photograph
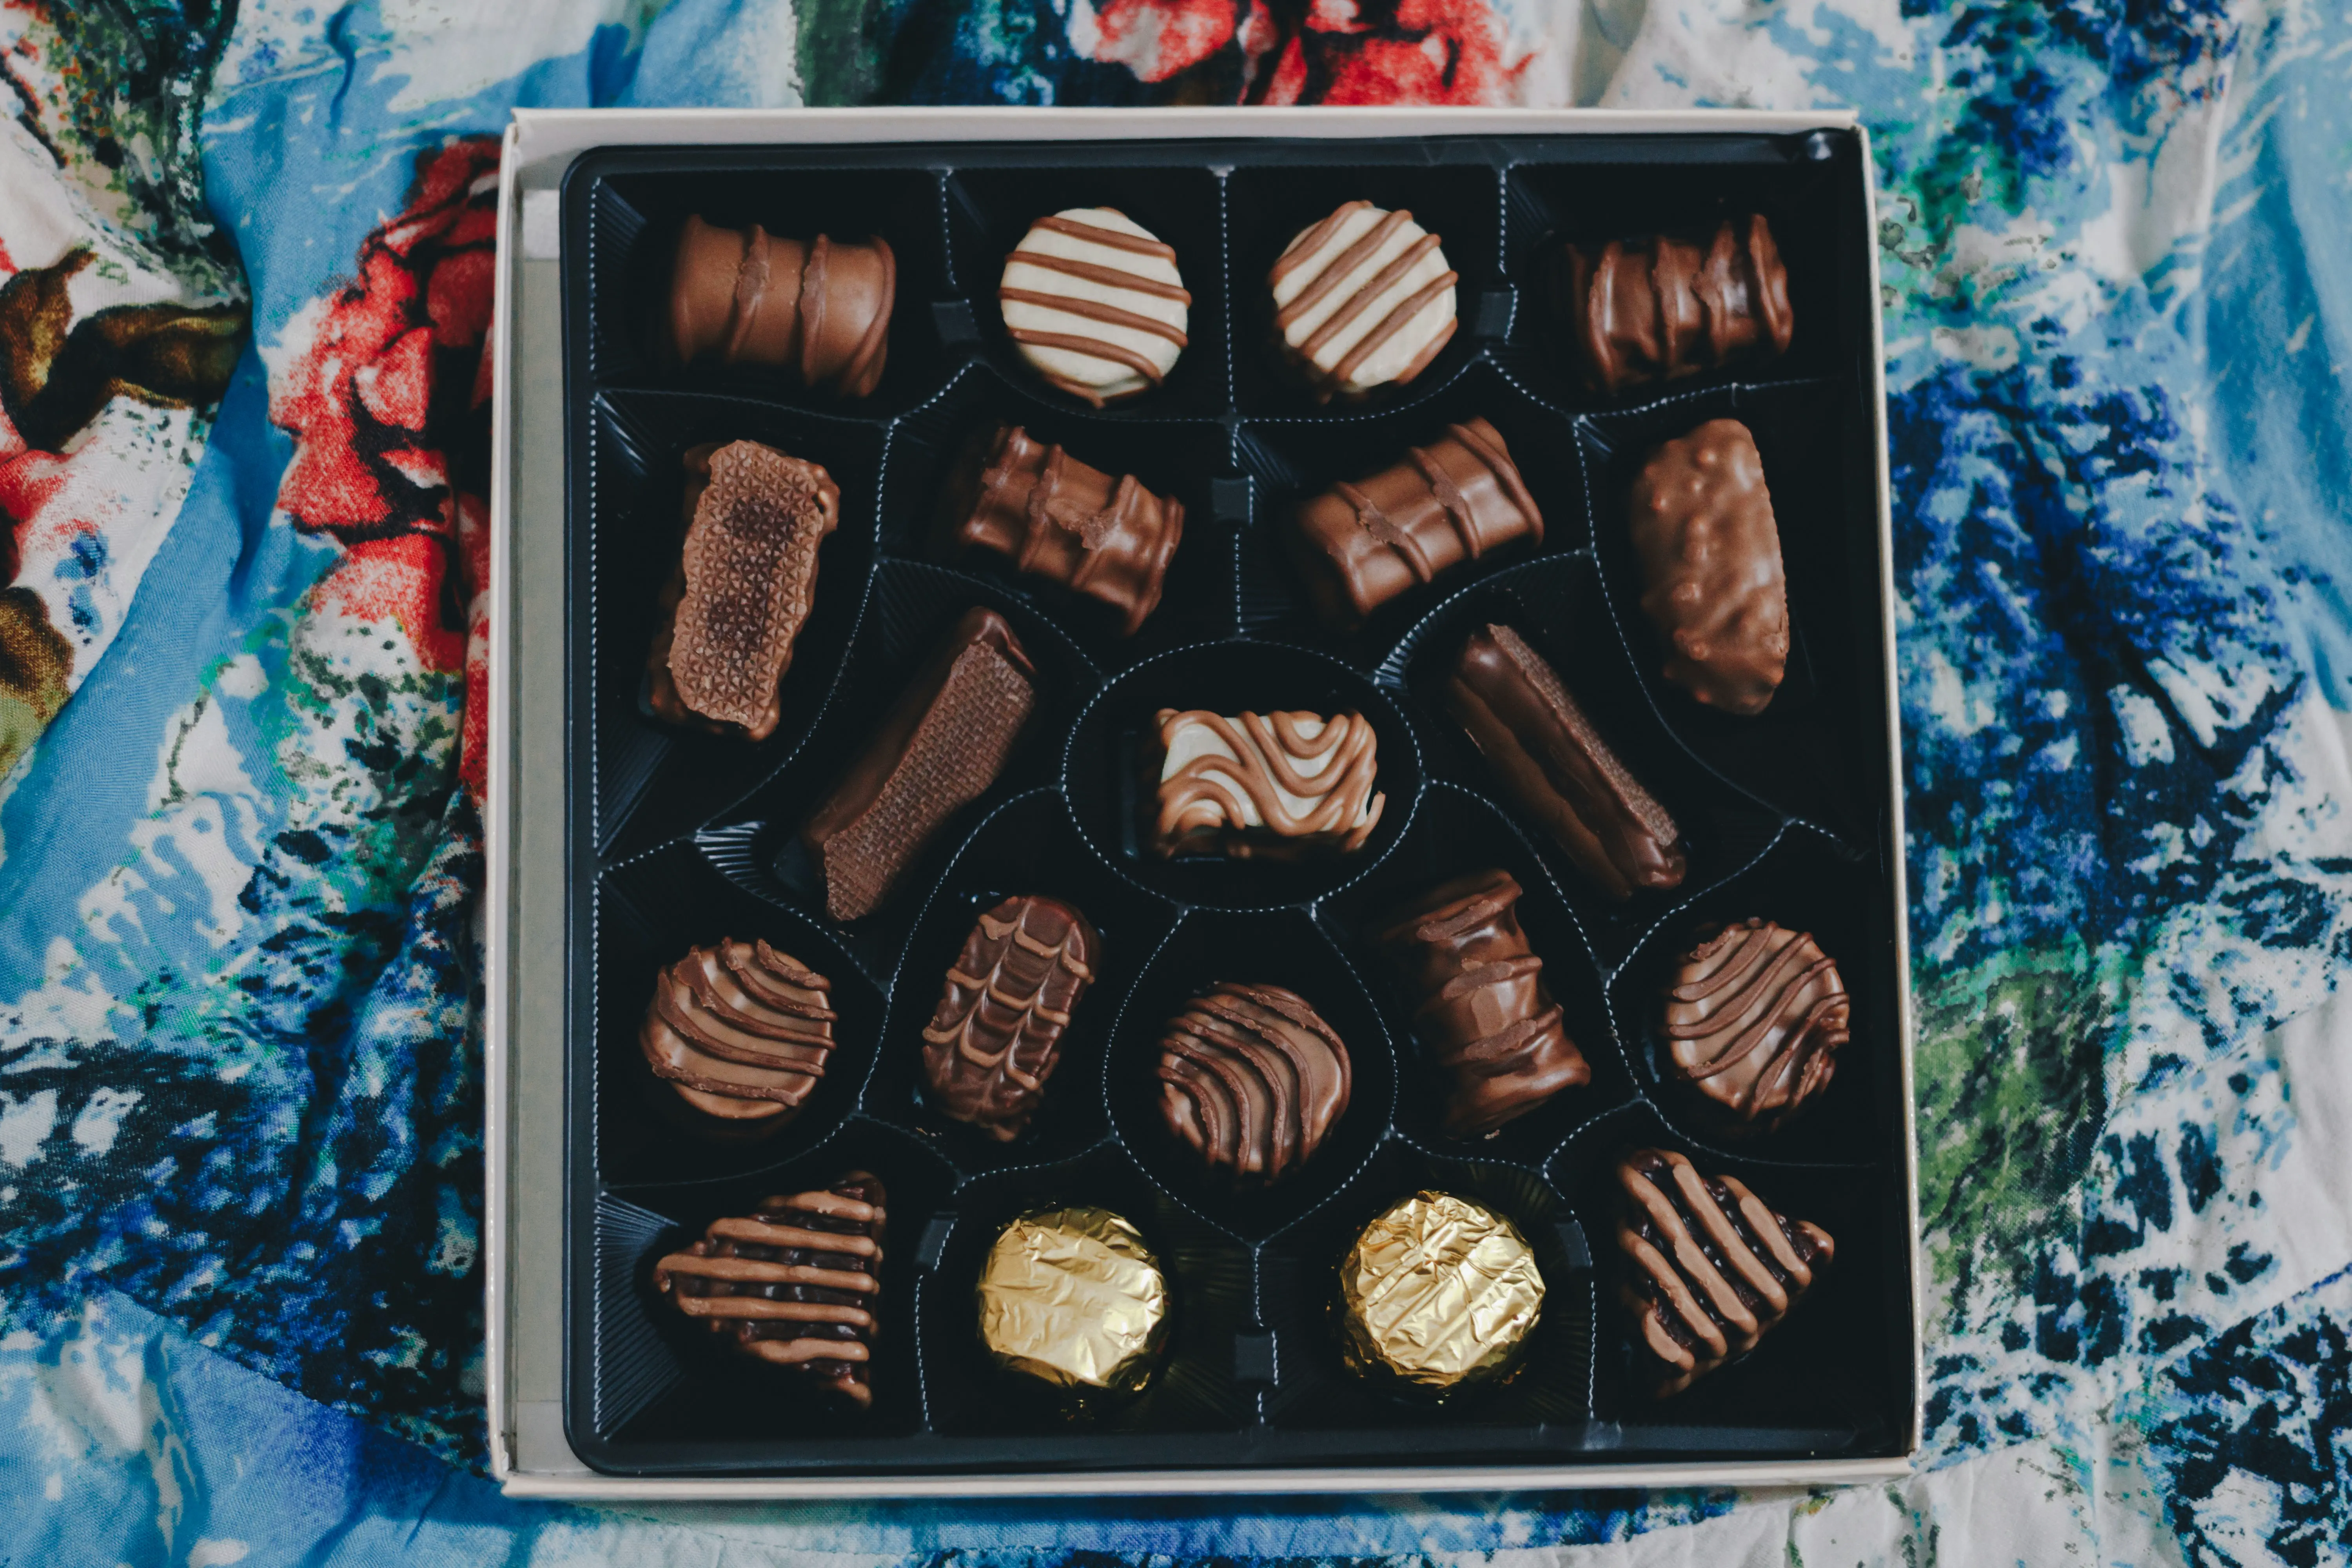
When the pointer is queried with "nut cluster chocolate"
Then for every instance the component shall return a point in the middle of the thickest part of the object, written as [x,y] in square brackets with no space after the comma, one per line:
[1710,556]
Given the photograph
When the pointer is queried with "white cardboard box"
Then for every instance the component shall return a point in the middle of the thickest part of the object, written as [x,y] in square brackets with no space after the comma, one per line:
[525,926]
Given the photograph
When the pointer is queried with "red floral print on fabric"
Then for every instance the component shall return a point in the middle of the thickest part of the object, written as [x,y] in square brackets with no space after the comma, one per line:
[1316,51]
[390,411]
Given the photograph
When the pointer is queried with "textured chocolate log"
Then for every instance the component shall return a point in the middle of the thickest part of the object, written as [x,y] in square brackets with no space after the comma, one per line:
[821,308]
[741,1031]
[1484,1010]
[996,1034]
[1652,309]
[1073,1298]
[1438,1293]
[1269,786]
[1523,720]
[942,742]
[1094,304]
[1360,545]
[1711,1267]
[1252,1080]
[743,588]
[1362,299]
[1754,1019]
[1710,553]
[797,1283]
[1057,517]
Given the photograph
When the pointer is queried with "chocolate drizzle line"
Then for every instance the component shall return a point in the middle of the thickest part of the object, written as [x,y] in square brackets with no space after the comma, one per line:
[1252,1079]
[796,1284]
[996,1034]
[1713,1268]
[1765,1005]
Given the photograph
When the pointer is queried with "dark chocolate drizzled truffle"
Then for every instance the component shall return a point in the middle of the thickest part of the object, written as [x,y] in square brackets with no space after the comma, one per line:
[1252,1080]
[745,582]
[1711,1267]
[1710,555]
[1754,1019]
[820,307]
[1360,545]
[1485,1011]
[1652,310]
[1525,722]
[940,745]
[796,1284]
[1055,517]
[741,1031]
[996,1034]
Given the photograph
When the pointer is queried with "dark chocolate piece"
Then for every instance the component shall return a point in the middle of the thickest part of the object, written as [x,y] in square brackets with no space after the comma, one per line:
[1710,553]
[1360,545]
[741,1031]
[1711,1269]
[1754,1019]
[1252,1080]
[1652,310]
[1525,723]
[1362,299]
[1483,1011]
[744,585]
[942,742]
[997,1032]
[820,307]
[1055,517]
[796,1284]
[1268,786]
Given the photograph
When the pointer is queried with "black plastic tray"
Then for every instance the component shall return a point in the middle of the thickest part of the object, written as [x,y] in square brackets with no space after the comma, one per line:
[678,838]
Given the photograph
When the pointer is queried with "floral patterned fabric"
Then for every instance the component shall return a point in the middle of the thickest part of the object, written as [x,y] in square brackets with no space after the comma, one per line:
[245,283]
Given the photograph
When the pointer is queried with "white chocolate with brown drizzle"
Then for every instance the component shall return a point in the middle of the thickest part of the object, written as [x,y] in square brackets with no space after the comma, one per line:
[1754,1019]
[1363,298]
[1094,304]
[1713,1267]
[1264,785]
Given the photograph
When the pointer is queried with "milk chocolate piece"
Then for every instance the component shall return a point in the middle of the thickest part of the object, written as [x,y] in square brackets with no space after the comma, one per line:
[796,1284]
[1252,1080]
[1269,786]
[942,742]
[1438,1293]
[1753,1021]
[1523,719]
[821,308]
[1093,300]
[743,588]
[1362,299]
[1073,1298]
[996,1034]
[1710,555]
[1360,545]
[1711,1267]
[1484,1010]
[741,1031]
[1055,517]
[1652,310]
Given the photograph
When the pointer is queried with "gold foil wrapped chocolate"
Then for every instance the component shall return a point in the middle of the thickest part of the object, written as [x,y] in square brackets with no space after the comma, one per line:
[1072,1296]
[1439,1292]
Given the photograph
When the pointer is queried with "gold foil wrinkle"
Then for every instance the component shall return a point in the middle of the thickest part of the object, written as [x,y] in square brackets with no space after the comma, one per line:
[1073,1296]
[1439,1291]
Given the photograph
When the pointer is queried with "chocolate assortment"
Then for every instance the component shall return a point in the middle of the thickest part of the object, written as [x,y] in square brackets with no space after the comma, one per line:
[1280,785]
[997,1032]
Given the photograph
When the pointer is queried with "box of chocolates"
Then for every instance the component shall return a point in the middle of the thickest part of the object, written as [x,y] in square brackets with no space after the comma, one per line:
[1194,802]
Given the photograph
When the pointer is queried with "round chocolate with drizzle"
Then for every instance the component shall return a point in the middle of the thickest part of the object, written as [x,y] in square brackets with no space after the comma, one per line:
[741,1031]
[795,1284]
[1264,785]
[1094,304]
[1753,1021]
[1711,1267]
[1252,1080]
[1362,299]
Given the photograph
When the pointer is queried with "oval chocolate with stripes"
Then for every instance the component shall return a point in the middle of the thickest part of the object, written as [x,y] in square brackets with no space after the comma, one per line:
[1252,1080]
[1362,299]
[1754,1019]
[1094,304]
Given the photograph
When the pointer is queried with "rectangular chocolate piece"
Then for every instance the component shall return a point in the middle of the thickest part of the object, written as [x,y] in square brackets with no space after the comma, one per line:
[1271,786]
[1655,310]
[1057,517]
[745,582]
[1360,545]
[940,745]
[996,1035]
[1523,719]
[1711,580]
